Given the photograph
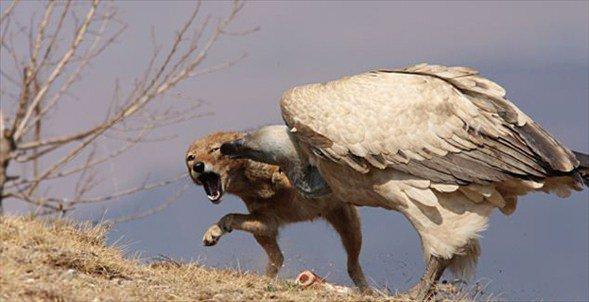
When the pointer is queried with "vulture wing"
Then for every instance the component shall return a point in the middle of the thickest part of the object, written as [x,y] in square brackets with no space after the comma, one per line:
[444,124]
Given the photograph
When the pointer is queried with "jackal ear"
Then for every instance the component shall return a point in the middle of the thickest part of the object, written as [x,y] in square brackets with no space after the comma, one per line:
[280,180]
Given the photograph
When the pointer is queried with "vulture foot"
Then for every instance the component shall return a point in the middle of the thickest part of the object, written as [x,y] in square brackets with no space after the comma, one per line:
[424,289]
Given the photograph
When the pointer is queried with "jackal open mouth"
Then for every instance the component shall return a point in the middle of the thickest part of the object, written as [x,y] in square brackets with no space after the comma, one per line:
[211,181]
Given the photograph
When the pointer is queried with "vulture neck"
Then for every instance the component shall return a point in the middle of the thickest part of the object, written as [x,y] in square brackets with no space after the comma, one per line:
[276,145]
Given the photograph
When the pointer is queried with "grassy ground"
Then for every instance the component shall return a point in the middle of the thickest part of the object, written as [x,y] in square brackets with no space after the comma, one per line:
[61,261]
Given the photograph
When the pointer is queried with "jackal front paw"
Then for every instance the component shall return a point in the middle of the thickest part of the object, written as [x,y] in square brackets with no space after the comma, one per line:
[212,235]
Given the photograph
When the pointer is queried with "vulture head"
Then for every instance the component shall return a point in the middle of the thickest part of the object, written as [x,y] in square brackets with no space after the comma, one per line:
[276,145]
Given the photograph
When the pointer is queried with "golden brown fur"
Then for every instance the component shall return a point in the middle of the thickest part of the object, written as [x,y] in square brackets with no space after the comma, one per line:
[272,202]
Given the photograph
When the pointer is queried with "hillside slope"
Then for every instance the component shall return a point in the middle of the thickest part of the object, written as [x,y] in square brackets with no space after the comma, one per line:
[61,261]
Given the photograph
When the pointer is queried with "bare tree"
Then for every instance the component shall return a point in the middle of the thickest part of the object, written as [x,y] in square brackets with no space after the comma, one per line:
[55,61]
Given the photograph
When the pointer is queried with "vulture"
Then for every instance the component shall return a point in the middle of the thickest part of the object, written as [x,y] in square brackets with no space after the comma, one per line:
[442,145]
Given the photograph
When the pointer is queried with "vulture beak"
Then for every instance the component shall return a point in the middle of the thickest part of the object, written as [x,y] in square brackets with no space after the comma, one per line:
[234,149]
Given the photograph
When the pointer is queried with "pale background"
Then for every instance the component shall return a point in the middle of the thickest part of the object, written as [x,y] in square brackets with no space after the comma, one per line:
[537,51]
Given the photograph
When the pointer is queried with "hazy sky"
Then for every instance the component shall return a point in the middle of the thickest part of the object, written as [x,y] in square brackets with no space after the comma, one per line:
[537,51]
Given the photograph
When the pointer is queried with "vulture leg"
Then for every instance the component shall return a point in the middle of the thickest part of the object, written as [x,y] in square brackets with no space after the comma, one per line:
[433,271]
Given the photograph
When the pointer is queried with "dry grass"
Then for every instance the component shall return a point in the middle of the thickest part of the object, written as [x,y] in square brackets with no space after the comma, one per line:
[61,261]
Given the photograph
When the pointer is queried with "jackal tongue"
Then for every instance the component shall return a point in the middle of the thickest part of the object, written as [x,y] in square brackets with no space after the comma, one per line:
[212,185]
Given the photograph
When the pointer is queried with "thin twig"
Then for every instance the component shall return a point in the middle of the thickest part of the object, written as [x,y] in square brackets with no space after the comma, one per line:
[58,69]
[48,75]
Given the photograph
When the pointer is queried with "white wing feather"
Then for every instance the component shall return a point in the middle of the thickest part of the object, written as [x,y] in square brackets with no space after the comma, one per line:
[447,125]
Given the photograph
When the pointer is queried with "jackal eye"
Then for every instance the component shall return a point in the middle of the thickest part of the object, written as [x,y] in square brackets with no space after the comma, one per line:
[190,157]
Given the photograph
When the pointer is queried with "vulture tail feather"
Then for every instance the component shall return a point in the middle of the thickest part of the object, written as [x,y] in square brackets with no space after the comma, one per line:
[583,168]
[552,154]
